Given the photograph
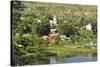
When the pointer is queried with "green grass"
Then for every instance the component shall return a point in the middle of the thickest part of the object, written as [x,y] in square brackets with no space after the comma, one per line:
[69,51]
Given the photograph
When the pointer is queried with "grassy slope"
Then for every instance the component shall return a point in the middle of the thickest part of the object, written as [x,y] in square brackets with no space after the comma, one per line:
[65,10]
[67,52]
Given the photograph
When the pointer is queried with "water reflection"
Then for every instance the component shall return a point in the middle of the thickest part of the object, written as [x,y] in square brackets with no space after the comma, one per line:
[57,60]
[52,60]
[89,58]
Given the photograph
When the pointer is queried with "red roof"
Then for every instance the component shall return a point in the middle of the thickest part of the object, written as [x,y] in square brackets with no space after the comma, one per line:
[52,37]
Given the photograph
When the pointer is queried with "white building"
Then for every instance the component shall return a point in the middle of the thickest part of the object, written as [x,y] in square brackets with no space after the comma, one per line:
[88,27]
[53,24]
[64,38]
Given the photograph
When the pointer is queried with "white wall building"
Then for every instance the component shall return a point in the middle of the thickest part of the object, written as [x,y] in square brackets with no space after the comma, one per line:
[53,24]
[88,27]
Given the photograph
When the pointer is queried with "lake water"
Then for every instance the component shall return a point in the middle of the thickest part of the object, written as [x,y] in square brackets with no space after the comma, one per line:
[54,60]
[59,60]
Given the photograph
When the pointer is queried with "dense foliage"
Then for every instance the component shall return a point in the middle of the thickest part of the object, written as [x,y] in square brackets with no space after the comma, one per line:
[30,21]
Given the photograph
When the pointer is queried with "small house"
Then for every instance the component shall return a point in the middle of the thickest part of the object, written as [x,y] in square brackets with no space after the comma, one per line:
[88,27]
[52,37]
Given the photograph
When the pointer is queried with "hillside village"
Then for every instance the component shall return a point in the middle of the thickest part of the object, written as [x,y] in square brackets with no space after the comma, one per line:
[42,30]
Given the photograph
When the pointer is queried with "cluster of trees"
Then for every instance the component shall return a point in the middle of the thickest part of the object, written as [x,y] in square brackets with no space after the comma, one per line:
[30,21]
[27,43]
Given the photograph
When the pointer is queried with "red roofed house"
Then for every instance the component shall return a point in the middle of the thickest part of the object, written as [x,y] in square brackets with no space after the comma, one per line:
[52,37]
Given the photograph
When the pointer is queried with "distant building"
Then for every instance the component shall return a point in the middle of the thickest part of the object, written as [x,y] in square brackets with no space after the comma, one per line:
[52,37]
[64,38]
[45,37]
[88,27]
[38,21]
[53,30]
[53,24]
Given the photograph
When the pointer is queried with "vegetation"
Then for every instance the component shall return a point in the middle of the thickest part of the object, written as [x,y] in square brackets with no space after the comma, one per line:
[69,51]
[30,21]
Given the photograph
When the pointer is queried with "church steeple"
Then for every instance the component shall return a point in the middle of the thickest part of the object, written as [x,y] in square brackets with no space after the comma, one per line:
[53,24]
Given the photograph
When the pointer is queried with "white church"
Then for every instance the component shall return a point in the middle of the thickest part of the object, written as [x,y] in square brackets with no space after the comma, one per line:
[53,24]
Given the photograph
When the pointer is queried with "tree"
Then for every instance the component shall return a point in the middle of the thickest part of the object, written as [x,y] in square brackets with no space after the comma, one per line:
[68,29]
[43,28]
[94,28]
[17,7]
